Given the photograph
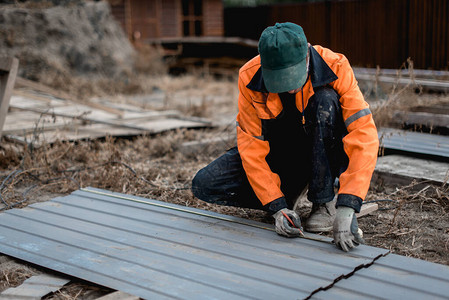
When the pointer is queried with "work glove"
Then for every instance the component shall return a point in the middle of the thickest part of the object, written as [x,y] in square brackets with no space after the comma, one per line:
[346,229]
[284,226]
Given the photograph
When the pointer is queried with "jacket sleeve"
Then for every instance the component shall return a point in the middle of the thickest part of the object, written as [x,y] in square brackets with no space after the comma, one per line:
[361,144]
[253,150]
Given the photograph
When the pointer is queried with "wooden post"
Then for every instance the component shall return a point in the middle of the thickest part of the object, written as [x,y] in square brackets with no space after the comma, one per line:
[8,73]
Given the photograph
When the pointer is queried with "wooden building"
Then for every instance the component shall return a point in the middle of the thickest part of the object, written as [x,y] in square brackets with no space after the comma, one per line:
[144,20]
[369,32]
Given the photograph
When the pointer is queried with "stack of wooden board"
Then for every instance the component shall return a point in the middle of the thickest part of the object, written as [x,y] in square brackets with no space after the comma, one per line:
[41,118]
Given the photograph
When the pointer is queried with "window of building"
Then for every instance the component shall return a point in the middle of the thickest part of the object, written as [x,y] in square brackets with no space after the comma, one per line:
[192,14]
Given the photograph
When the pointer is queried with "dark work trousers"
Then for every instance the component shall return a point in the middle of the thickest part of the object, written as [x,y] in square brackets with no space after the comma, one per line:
[300,154]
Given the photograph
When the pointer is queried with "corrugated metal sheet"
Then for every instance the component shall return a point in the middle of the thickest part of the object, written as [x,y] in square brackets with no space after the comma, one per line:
[393,277]
[159,250]
[423,143]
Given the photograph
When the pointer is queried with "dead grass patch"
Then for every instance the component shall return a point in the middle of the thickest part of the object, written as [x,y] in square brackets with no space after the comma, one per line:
[13,274]
[412,223]
[79,290]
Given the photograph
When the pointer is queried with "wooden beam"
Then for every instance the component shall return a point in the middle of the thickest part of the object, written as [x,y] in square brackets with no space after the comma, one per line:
[430,74]
[6,64]
[430,120]
[118,295]
[434,109]
[366,209]
[437,85]
[114,122]
[30,94]
[399,170]
[8,73]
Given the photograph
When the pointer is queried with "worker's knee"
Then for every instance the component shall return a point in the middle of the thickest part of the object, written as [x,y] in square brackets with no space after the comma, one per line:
[210,184]
[325,106]
[222,181]
[200,184]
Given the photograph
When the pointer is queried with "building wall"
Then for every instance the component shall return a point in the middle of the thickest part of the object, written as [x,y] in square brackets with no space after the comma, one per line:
[369,32]
[213,18]
[170,22]
[149,19]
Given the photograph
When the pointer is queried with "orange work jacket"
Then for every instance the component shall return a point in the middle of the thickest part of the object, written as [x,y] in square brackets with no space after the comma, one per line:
[360,144]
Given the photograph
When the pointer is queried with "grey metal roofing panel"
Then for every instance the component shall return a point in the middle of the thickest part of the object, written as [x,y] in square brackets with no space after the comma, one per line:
[393,277]
[157,250]
[417,142]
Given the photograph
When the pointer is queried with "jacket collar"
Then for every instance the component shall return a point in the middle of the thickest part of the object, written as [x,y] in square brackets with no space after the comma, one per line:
[319,73]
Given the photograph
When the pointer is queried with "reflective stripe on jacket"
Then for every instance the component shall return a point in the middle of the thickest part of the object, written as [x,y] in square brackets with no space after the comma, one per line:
[256,103]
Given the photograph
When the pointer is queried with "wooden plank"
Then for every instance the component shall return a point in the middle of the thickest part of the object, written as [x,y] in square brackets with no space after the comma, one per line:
[31,102]
[398,170]
[24,122]
[47,121]
[118,295]
[430,74]
[437,85]
[93,131]
[85,132]
[85,113]
[22,82]
[6,64]
[302,201]
[434,109]
[366,209]
[9,66]
[35,287]
[139,124]
[32,95]
[429,120]
[61,108]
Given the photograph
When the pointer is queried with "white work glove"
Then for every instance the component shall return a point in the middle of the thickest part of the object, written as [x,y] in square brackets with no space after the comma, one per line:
[283,225]
[346,229]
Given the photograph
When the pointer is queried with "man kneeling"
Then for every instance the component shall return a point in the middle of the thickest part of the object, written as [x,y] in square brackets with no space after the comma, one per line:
[302,121]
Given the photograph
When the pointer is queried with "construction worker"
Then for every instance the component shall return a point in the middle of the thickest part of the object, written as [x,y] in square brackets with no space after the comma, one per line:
[302,122]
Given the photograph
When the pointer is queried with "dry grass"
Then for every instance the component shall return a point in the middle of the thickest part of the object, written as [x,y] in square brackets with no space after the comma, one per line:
[413,223]
[13,273]
[147,166]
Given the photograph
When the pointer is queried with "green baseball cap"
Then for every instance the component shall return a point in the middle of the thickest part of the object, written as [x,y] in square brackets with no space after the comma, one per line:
[283,51]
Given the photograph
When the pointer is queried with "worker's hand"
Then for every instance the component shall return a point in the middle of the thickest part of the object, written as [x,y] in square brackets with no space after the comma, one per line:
[284,227]
[346,229]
